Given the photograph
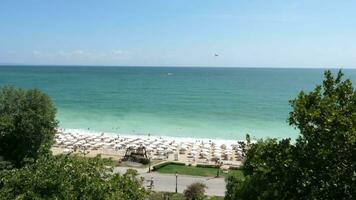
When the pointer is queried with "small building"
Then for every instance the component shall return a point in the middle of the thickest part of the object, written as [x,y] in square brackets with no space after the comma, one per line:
[135,154]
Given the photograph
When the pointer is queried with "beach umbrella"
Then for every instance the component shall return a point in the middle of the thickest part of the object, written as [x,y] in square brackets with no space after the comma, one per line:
[204,153]
[193,152]
[195,148]
[66,151]
[217,151]
[182,149]
[217,155]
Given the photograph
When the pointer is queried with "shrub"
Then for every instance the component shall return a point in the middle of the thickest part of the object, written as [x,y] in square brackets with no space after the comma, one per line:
[143,161]
[70,177]
[207,166]
[235,168]
[195,191]
[158,166]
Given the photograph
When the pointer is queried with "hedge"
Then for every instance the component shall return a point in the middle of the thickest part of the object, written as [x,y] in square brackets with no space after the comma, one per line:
[158,166]
[207,166]
[235,168]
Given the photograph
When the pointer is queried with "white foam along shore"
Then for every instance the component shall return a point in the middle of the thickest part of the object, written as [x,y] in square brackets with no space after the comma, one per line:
[188,150]
[217,141]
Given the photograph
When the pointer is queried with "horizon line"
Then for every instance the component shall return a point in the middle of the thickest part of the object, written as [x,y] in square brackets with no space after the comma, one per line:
[169,66]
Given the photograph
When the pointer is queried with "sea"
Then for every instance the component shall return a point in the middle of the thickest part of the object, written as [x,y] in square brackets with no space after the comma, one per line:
[185,102]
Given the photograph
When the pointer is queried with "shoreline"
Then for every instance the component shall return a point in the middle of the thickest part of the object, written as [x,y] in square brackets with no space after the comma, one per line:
[153,136]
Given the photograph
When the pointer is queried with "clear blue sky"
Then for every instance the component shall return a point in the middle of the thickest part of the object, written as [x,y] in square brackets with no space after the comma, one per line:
[245,33]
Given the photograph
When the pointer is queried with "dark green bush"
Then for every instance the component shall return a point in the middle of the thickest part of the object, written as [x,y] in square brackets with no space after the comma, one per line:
[195,191]
[144,161]
[235,168]
[156,167]
[207,166]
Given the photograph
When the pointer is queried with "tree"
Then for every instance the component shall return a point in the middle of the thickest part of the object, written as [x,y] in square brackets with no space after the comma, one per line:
[326,118]
[195,191]
[269,172]
[320,164]
[27,124]
[69,177]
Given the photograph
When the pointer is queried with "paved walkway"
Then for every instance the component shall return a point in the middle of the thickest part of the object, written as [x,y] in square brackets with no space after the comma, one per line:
[166,182]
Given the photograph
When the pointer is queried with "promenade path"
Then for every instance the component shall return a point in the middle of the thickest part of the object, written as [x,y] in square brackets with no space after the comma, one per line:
[166,182]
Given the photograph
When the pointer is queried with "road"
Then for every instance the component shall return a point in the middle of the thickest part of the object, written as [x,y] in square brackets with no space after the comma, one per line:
[166,182]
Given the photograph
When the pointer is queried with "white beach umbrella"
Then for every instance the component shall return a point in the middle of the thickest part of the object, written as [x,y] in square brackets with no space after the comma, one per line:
[66,151]
[183,148]
[195,148]
[217,151]
[204,153]
[205,149]
[193,152]
[217,155]
[228,148]
[86,145]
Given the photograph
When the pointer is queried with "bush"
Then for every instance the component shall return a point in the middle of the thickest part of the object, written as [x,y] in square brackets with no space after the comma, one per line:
[70,177]
[235,168]
[195,191]
[144,161]
[5,165]
[165,195]
[207,166]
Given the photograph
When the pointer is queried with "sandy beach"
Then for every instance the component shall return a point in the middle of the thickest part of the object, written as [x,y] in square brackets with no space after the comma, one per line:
[191,151]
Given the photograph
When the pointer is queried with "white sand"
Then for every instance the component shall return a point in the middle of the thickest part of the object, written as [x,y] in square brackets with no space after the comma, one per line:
[188,150]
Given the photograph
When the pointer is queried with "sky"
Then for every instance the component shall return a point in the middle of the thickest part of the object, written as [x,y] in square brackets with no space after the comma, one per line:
[243,33]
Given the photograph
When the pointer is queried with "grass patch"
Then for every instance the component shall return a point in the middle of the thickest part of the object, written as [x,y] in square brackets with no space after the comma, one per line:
[196,171]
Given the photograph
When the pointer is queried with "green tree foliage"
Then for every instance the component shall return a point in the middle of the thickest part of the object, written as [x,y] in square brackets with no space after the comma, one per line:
[69,177]
[27,124]
[195,191]
[27,127]
[320,164]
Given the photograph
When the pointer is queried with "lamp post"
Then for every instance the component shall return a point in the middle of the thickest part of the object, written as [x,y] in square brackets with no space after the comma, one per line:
[149,164]
[176,182]
[219,164]
[151,185]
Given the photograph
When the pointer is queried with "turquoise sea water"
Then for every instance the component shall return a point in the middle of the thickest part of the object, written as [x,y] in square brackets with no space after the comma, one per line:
[223,103]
